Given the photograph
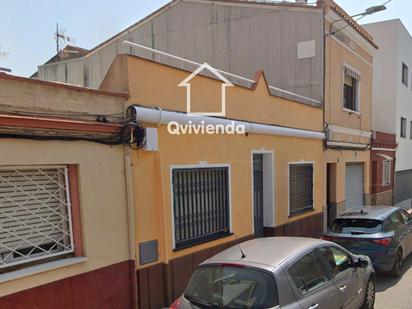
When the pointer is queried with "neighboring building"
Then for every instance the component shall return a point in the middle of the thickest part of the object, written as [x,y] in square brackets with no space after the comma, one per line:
[383,168]
[240,37]
[195,195]
[64,227]
[348,110]
[392,97]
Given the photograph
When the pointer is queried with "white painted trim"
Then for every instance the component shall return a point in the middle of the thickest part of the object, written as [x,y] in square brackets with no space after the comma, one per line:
[351,131]
[132,44]
[43,267]
[273,185]
[383,149]
[202,164]
[158,117]
[344,144]
[313,181]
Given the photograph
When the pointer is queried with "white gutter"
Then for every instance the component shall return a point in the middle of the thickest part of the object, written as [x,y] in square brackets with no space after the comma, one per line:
[158,116]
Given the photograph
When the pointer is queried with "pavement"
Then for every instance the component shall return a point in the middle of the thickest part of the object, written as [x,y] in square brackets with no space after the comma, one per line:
[395,293]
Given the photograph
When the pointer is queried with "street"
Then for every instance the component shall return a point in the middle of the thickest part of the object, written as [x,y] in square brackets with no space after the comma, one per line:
[395,293]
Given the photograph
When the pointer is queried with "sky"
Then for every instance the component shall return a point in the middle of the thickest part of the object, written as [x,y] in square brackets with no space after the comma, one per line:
[27,26]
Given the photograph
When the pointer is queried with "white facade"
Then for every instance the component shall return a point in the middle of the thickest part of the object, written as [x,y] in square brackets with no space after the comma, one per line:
[392,99]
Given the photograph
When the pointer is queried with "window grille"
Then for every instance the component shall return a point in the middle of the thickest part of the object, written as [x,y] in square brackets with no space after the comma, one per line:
[35,220]
[300,188]
[200,204]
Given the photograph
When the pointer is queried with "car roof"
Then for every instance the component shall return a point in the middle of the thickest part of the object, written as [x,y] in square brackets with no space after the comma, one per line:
[268,252]
[369,212]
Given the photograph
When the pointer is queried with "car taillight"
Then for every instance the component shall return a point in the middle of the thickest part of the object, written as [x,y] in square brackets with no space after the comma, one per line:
[383,242]
[328,238]
[176,304]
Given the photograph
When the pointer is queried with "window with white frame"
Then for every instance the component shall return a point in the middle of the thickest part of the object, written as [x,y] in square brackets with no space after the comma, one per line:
[35,220]
[351,90]
[300,188]
[200,205]
[386,176]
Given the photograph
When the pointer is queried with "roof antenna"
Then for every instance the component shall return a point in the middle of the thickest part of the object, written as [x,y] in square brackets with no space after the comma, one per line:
[240,248]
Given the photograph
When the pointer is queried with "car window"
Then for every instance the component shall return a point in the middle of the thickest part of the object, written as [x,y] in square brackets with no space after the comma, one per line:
[356,226]
[307,274]
[406,217]
[230,286]
[338,260]
[394,221]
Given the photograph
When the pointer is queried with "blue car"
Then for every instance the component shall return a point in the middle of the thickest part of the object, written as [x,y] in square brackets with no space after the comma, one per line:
[382,233]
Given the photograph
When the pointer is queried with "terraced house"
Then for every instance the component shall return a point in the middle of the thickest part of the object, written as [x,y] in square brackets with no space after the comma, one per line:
[305,153]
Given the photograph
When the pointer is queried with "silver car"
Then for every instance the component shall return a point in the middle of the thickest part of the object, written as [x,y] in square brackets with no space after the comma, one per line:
[282,272]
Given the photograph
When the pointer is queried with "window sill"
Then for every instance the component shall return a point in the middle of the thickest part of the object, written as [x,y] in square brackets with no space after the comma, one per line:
[351,111]
[301,212]
[36,269]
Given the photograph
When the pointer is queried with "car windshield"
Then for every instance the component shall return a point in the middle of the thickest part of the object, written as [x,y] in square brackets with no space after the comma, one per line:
[231,287]
[356,226]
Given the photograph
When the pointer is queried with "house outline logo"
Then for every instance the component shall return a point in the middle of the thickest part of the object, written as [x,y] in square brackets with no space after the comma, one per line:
[225,83]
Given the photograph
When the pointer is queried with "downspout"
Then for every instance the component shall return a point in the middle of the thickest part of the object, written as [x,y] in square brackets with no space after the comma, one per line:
[131,223]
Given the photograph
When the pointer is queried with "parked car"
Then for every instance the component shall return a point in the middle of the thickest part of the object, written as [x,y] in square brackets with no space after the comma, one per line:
[282,272]
[382,233]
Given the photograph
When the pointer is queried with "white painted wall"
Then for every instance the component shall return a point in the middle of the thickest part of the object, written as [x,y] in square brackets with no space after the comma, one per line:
[391,98]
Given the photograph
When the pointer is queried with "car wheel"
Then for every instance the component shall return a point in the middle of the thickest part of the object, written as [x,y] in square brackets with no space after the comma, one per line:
[397,265]
[369,299]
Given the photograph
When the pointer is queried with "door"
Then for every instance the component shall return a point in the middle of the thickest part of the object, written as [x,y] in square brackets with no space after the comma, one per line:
[354,186]
[258,194]
[345,277]
[313,288]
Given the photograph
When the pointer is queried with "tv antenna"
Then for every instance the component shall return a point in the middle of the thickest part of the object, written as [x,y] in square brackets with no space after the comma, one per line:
[62,39]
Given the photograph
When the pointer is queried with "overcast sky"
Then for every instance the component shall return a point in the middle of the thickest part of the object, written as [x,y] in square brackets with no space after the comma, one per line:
[27,26]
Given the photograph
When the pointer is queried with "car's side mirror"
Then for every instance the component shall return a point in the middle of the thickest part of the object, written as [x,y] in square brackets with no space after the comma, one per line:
[361,262]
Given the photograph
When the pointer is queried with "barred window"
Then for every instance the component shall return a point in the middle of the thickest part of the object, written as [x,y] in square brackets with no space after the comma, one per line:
[386,177]
[200,205]
[300,188]
[35,221]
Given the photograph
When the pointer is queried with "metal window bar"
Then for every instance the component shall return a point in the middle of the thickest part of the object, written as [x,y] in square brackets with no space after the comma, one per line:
[301,187]
[200,204]
[35,218]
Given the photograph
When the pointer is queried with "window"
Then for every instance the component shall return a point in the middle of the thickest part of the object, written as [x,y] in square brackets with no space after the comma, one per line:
[338,260]
[394,222]
[351,90]
[307,274]
[403,127]
[410,130]
[356,226]
[200,205]
[386,176]
[231,287]
[300,188]
[405,74]
[35,219]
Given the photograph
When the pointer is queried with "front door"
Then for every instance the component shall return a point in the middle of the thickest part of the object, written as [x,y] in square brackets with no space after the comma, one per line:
[354,186]
[258,194]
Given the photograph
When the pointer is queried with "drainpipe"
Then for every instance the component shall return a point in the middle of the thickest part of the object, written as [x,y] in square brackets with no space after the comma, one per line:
[131,223]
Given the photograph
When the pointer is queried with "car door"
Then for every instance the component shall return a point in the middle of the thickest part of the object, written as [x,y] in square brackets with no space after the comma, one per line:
[345,277]
[407,230]
[397,224]
[312,285]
